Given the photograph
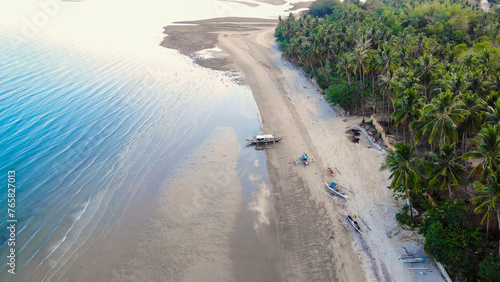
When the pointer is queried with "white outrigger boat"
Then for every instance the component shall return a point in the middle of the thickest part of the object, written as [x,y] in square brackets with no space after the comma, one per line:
[264,139]
[333,189]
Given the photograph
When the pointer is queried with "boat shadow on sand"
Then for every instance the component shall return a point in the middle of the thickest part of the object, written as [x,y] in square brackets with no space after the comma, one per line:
[261,146]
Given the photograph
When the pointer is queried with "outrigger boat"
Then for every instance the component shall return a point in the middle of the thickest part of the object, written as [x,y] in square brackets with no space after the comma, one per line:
[306,158]
[413,259]
[264,139]
[332,187]
[354,223]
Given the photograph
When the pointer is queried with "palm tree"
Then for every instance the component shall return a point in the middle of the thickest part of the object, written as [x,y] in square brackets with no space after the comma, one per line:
[492,114]
[360,52]
[372,68]
[444,50]
[468,60]
[384,56]
[408,109]
[424,69]
[488,152]
[418,50]
[386,83]
[478,82]
[492,98]
[496,82]
[405,79]
[489,200]
[487,59]
[442,117]
[403,57]
[472,123]
[307,53]
[403,166]
[444,168]
[345,66]
[456,83]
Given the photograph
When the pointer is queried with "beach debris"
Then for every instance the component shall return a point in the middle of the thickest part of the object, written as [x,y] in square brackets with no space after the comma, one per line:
[353,139]
[353,135]
[394,233]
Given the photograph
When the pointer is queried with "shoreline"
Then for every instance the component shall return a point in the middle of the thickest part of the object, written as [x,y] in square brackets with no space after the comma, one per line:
[304,228]
[315,241]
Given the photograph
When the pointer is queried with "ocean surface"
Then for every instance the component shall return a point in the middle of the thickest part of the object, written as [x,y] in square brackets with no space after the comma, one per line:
[94,115]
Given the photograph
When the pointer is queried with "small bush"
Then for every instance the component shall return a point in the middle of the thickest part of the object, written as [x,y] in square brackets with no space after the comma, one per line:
[342,95]
[489,269]
[452,246]
[403,216]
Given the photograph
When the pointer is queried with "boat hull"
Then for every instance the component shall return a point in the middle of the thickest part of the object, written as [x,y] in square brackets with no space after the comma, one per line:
[353,224]
[275,140]
[413,260]
[336,191]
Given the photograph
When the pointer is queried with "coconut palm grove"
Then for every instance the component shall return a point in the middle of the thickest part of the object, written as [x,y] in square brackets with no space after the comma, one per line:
[429,71]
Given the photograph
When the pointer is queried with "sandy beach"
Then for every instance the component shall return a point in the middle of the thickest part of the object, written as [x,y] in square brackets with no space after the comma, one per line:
[315,242]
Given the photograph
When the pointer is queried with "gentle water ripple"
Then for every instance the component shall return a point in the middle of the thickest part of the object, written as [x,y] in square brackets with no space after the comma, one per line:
[83,132]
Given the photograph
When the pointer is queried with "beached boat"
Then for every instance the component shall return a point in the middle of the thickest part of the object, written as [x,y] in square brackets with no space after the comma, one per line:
[414,259]
[333,188]
[331,172]
[354,223]
[305,158]
[264,139]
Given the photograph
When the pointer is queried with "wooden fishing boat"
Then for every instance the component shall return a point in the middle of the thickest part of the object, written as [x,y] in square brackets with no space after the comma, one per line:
[331,172]
[354,223]
[264,139]
[414,259]
[333,189]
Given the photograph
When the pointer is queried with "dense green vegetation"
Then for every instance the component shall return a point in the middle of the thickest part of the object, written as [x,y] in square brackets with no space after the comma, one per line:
[431,71]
